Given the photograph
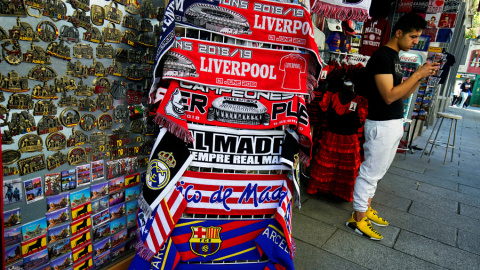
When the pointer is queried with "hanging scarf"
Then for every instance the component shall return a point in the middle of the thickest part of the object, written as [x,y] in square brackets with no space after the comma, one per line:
[404,6]
[272,242]
[343,10]
[451,6]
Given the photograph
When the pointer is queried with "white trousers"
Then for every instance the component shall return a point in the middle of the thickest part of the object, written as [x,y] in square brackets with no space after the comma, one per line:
[381,143]
[464,96]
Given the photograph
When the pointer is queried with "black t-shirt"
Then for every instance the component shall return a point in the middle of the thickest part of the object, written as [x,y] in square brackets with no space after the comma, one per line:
[384,61]
[466,87]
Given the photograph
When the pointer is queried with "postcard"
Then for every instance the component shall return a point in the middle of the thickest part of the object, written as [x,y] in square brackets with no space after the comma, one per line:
[118,250]
[100,204]
[102,259]
[12,191]
[116,198]
[116,184]
[12,217]
[34,229]
[81,240]
[63,262]
[117,225]
[69,180]
[35,260]
[97,170]
[132,207]
[132,193]
[119,238]
[99,190]
[34,245]
[13,236]
[132,180]
[85,263]
[12,254]
[53,184]
[101,246]
[101,231]
[33,190]
[82,252]
[81,225]
[132,220]
[83,175]
[117,211]
[132,232]
[59,248]
[57,202]
[59,233]
[101,217]
[18,265]
[79,197]
[57,217]
[81,211]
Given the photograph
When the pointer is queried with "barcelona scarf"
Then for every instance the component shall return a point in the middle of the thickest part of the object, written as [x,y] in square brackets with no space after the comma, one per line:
[273,244]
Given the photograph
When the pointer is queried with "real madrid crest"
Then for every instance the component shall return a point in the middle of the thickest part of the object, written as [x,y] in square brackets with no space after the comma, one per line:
[158,172]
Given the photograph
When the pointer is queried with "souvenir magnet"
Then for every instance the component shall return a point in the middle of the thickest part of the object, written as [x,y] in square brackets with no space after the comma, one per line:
[147,10]
[87,104]
[132,7]
[35,4]
[2,97]
[48,124]
[149,56]
[160,13]
[105,121]
[120,113]
[122,55]
[56,141]
[81,50]
[112,34]
[67,101]
[80,19]
[145,26]
[31,164]
[105,102]
[133,73]
[93,35]
[47,31]
[134,56]
[99,137]
[45,107]
[65,84]
[9,157]
[122,2]
[119,90]
[22,123]
[98,15]
[129,38]
[14,83]
[130,21]
[77,138]
[105,51]
[137,126]
[12,56]
[44,91]
[37,55]
[102,85]
[69,34]
[59,50]
[30,143]
[13,8]
[20,101]
[146,40]
[42,73]
[88,122]
[83,89]
[113,14]
[56,10]
[77,69]
[4,114]
[70,117]
[77,156]
[7,137]
[96,69]
[3,35]
[23,31]
[80,4]
[136,112]
[56,160]
[115,69]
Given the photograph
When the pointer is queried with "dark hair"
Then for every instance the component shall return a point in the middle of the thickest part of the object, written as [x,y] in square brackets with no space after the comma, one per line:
[409,22]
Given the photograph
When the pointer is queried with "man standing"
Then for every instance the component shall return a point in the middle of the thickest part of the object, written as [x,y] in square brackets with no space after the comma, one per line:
[465,87]
[384,125]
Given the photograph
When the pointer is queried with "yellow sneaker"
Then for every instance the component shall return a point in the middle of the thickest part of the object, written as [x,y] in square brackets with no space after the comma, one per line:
[364,227]
[374,218]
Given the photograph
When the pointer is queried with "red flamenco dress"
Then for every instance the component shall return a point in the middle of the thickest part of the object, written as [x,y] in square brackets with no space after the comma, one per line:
[337,161]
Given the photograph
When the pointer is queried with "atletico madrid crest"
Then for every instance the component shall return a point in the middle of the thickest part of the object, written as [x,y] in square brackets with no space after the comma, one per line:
[205,241]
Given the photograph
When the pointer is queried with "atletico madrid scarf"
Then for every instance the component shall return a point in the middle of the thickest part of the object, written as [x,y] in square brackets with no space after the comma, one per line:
[343,10]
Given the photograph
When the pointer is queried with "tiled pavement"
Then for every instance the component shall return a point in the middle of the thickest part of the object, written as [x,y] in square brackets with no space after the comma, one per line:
[433,210]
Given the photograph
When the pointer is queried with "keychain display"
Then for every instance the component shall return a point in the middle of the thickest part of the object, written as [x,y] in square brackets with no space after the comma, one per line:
[121,113]
[70,117]
[80,19]
[59,50]
[12,56]
[122,55]
[30,143]
[147,10]
[134,56]
[105,121]
[93,35]
[130,21]
[105,102]
[44,91]
[77,69]
[49,124]
[146,40]
[42,73]
[115,69]
[44,107]
[31,164]
[88,122]
[83,89]
[77,138]
[105,51]
[56,10]
[47,31]
[96,69]
[145,26]
[67,101]
[13,8]
[132,7]
[20,102]
[36,55]
[111,34]
[14,83]
[87,104]
[65,84]
[56,160]
[21,123]
[80,4]
[129,38]
[81,50]
[98,15]
[69,34]
[56,141]
[102,85]
[77,156]
[113,14]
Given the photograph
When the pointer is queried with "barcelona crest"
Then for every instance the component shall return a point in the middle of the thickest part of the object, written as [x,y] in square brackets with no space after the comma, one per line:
[205,241]
[159,170]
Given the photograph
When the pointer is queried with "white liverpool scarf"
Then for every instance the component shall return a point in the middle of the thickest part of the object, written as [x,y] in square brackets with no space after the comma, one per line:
[356,10]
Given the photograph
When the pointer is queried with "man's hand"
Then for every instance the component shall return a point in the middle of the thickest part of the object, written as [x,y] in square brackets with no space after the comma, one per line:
[427,69]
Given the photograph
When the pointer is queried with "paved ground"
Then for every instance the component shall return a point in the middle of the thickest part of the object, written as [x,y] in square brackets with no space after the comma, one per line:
[433,210]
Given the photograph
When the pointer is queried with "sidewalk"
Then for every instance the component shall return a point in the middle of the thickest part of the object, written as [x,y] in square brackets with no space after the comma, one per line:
[433,210]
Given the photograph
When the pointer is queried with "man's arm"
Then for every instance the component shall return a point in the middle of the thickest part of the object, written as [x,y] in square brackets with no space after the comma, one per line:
[390,94]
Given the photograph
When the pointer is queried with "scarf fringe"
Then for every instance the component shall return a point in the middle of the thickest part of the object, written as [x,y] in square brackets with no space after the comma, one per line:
[339,12]
[142,250]
[174,128]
